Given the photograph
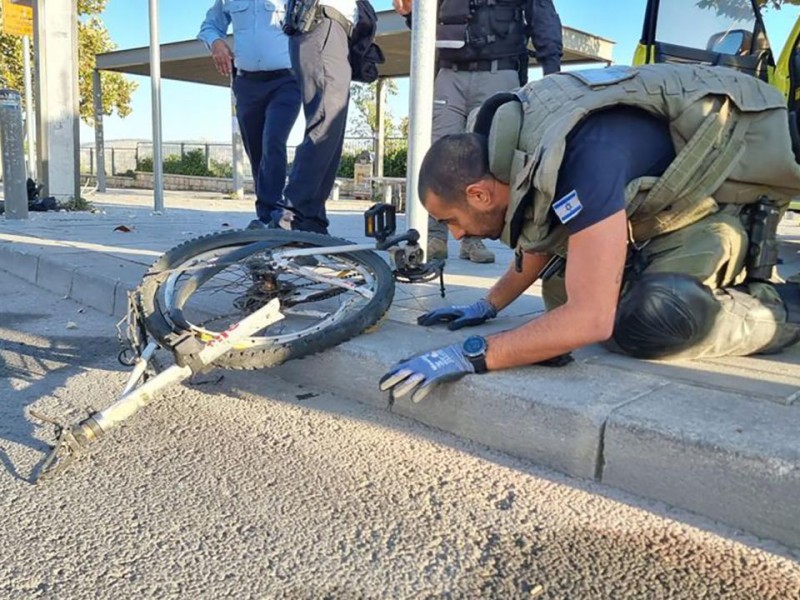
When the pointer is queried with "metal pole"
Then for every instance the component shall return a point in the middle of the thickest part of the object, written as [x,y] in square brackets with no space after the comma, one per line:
[29,118]
[423,52]
[99,138]
[380,138]
[155,82]
[15,192]
[237,152]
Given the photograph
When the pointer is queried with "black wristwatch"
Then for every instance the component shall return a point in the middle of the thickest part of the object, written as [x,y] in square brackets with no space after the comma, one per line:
[474,349]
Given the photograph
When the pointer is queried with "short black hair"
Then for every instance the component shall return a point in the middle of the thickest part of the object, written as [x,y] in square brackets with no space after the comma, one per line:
[451,164]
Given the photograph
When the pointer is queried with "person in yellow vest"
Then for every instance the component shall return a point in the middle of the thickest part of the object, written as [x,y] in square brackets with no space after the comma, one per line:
[645,199]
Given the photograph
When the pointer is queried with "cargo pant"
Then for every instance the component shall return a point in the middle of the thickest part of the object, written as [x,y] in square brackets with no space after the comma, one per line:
[456,94]
[752,318]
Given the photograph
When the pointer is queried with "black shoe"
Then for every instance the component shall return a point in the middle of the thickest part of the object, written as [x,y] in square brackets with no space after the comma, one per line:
[257,224]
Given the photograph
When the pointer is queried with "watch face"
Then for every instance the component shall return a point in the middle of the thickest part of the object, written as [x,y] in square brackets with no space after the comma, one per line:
[474,345]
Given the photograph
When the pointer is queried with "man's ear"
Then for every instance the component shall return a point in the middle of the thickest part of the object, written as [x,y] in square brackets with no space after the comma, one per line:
[479,194]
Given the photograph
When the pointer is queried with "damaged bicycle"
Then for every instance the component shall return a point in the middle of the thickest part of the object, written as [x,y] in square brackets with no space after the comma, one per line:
[248,299]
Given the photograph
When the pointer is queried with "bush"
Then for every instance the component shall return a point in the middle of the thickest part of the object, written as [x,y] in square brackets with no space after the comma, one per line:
[347,166]
[191,163]
[145,165]
[394,164]
[221,169]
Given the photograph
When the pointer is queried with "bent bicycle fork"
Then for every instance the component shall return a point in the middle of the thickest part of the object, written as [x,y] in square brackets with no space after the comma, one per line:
[71,441]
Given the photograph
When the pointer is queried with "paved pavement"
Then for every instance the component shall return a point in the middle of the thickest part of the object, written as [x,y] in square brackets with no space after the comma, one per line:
[252,487]
[717,437]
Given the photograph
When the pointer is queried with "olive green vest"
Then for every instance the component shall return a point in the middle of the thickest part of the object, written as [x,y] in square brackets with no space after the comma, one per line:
[730,132]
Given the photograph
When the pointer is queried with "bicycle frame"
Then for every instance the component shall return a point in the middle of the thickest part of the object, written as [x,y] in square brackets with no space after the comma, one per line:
[72,440]
[145,382]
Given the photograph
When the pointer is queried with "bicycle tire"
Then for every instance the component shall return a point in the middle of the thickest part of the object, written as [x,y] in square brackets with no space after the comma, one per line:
[163,329]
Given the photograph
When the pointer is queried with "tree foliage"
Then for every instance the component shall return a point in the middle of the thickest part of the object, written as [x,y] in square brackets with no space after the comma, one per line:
[93,38]
[364,98]
[741,10]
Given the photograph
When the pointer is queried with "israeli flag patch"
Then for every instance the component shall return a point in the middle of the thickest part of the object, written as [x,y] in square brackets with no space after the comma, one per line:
[568,207]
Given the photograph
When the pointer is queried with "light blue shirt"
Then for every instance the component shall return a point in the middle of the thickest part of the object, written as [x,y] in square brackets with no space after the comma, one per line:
[348,8]
[260,44]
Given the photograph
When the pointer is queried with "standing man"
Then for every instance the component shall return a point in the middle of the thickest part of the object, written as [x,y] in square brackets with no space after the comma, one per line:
[483,49]
[319,48]
[266,91]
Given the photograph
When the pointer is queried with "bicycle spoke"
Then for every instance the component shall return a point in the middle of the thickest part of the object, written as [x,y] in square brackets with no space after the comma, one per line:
[211,294]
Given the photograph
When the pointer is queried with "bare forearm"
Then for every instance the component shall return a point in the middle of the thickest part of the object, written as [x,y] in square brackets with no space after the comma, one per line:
[559,331]
[513,283]
[593,279]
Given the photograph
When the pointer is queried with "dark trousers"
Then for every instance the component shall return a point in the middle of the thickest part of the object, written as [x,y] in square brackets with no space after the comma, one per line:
[320,60]
[266,111]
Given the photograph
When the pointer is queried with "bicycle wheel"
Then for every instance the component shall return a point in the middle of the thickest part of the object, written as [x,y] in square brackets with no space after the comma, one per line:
[205,285]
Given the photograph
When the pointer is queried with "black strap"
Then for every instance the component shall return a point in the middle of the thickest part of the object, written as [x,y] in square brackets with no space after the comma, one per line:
[500,64]
[487,110]
[334,15]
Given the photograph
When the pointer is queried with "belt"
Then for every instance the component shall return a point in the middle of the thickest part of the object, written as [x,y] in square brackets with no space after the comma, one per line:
[263,75]
[334,15]
[498,64]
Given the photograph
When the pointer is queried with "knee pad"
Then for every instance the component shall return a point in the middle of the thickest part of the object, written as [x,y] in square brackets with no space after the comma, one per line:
[663,314]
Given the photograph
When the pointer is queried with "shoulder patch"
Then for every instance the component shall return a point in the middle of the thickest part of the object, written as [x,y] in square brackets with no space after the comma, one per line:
[568,207]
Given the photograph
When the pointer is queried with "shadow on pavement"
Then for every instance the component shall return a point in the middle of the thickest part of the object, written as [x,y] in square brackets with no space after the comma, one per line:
[30,372]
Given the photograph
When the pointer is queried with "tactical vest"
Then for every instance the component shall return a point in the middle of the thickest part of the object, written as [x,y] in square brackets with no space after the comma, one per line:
[470,30]
[729,130]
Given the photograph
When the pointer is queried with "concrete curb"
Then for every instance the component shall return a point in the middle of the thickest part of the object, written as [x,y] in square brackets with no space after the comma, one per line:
[734,458]
[659,439]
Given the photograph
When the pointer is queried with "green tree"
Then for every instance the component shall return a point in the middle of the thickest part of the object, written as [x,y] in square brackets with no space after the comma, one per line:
[405,124]
[364,98]
[93,39]
[741,9]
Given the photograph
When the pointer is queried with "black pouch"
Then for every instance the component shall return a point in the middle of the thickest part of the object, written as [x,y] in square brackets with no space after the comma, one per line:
[365,54]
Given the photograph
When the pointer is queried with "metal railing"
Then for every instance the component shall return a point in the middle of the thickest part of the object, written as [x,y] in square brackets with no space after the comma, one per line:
[215,159]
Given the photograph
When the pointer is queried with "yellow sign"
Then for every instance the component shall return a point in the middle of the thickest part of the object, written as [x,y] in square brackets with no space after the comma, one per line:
[17,17]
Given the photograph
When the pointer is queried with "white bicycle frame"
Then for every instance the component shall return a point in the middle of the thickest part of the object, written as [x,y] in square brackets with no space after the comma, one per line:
[74,439]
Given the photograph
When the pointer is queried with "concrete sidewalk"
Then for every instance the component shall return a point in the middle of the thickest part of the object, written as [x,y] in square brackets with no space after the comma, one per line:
[718,437]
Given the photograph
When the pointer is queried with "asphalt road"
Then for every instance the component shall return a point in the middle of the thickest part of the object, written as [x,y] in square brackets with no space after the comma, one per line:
[249,487]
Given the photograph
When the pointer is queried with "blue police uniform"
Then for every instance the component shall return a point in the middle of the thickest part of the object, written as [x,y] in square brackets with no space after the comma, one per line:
[267,93]
[320,61]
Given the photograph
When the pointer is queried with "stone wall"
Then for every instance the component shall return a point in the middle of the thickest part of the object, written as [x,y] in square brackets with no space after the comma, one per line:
[144,181]
[191,183]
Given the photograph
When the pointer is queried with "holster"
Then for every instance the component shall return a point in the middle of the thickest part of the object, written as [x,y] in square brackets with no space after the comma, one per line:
[301,16]
[761,222]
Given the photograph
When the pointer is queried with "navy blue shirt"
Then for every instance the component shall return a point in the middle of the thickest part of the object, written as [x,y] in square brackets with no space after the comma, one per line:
[603,154]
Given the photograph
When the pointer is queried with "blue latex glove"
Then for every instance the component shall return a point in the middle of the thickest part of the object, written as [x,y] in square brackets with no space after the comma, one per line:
[464,315]
[419,374]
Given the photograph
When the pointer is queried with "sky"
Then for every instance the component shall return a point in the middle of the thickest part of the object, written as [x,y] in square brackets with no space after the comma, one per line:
[202,113]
